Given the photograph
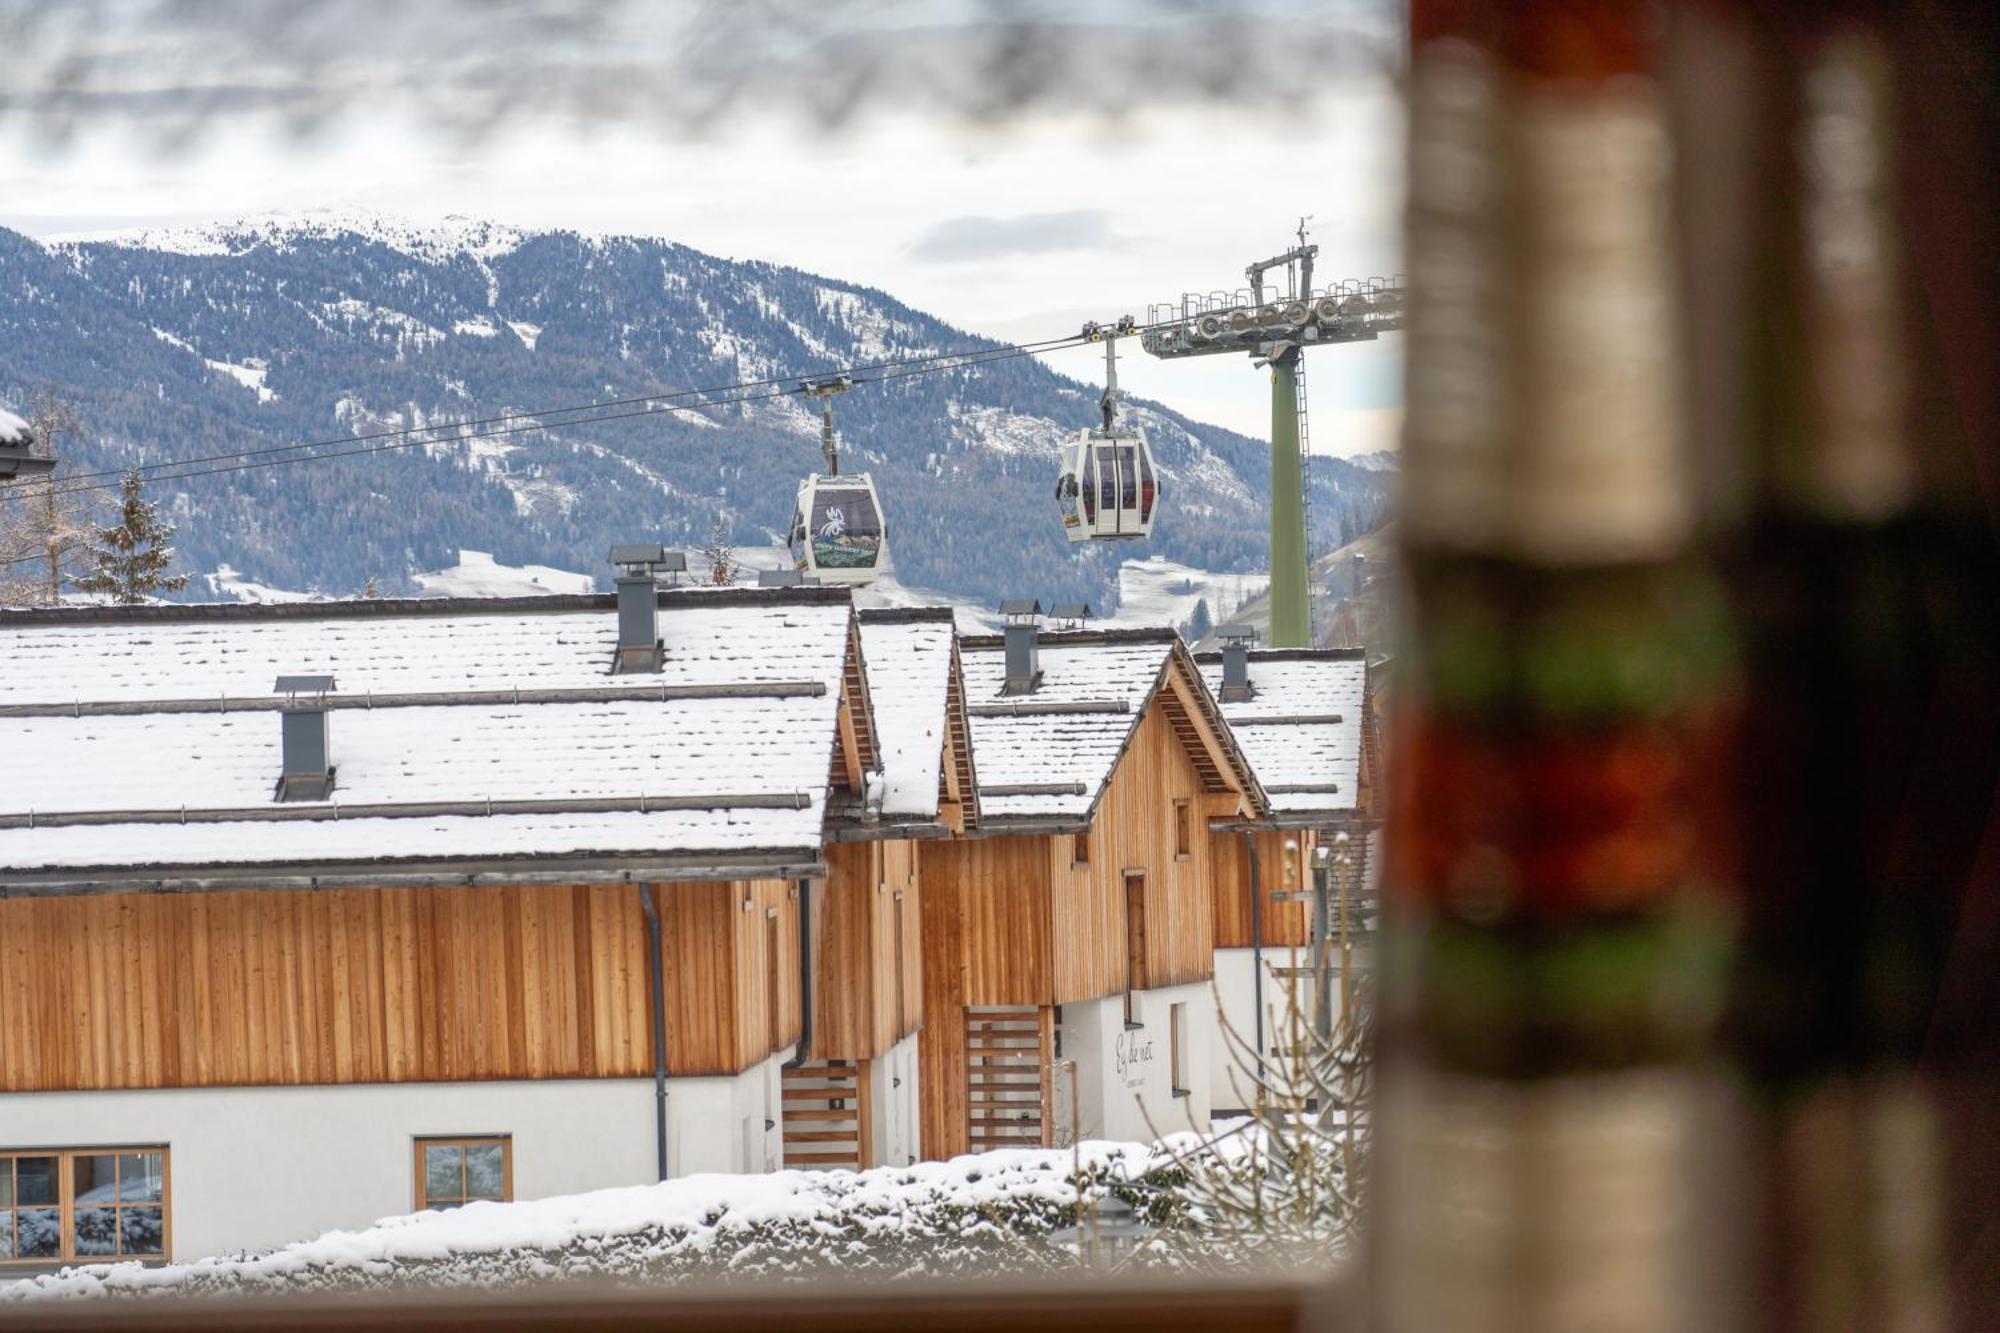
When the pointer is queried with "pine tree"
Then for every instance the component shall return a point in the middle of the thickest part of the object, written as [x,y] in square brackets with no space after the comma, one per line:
[129,560]
[722,562]
[1200,623]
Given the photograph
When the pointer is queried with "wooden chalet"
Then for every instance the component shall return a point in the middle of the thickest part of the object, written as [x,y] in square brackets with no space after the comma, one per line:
[854,1102]
[1068,938]
[1301,717]
[319,912]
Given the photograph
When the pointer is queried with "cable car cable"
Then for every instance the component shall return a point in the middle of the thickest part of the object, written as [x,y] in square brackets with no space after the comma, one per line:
[1047,344]
[908,370]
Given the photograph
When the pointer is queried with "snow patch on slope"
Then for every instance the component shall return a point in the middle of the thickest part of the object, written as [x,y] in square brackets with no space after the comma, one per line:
[429,241]
[478,574]
[1159,591]
[998,430]
[250,374]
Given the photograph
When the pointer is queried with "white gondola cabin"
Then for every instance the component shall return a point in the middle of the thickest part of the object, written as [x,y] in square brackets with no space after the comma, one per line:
[1108,488]
[838,532]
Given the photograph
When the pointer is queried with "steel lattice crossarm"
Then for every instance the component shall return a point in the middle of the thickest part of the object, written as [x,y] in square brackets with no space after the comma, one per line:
[1200,324]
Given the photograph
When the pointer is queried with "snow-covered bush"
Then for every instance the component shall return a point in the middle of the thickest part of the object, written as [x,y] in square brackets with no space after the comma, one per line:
[1009,1212]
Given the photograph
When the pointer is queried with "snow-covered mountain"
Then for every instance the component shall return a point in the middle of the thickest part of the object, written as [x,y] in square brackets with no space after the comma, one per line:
[257,335]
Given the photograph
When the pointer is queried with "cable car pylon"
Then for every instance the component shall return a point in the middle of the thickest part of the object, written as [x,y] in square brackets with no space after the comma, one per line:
[1275,333]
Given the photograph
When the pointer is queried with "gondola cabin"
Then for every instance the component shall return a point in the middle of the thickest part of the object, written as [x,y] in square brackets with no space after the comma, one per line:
[838,532]
[1108,488]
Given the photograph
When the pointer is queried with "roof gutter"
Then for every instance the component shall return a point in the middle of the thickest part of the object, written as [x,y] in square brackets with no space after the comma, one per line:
[656,963]
[804,1047]
[80,881]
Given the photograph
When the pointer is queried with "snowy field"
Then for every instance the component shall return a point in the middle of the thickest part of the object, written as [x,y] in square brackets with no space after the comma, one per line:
[1155,591]
[1158,591]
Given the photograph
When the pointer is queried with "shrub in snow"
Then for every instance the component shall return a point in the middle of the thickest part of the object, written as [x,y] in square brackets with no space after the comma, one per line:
[1010,1213]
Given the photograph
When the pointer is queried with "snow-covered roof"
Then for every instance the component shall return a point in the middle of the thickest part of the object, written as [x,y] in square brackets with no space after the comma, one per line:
[13,430]
[908,656]
[468,730]
[1302,726]
[1048,754]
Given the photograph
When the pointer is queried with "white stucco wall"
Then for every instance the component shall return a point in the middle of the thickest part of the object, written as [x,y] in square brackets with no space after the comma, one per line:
[1124,1087]
[1234,973]
[252,1168]
[895,1105]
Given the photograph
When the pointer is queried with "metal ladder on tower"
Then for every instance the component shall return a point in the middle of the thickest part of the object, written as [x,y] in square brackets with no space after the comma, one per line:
[1306,499]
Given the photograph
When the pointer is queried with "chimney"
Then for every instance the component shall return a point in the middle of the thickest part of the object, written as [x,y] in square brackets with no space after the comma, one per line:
[782,578]
[638,587]
[306,775]
[1024,668]
[1236,641]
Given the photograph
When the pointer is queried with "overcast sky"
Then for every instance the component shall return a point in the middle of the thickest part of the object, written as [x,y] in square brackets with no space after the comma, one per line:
[1019,226]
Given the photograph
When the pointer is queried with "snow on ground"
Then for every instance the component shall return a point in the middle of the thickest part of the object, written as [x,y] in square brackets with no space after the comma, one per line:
[227,583]
[1378,460]
[886,591]
[1158,591]
[482,327]
[250,374]
[478,574]
[528,333]
[12,428]
[785,1219]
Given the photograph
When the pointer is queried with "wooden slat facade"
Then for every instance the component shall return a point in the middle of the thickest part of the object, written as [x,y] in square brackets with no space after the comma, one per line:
[867,984]
[386,985]
[1133,831]
[1278,869]
[1017,922]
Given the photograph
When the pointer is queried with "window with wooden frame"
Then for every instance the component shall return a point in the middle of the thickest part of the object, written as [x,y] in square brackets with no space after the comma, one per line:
[452,1172]
[83,1204]
[1177,1078]
[774,987]
[1079,850]
[1183,830]
[902,947]
[1135,939]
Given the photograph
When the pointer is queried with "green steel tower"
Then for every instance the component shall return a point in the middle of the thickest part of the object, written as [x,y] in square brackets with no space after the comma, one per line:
[1274,330]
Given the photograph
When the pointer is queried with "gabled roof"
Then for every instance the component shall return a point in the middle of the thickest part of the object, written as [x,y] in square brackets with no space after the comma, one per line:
[470,737]
[1302,727]
[1046,757]
[912,663]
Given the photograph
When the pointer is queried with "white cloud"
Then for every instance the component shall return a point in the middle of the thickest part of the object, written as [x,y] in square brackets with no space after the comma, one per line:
[1172,198]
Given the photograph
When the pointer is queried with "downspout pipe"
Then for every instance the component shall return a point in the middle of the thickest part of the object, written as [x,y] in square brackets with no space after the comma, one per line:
[1256,945]
[655,965]
[805,977]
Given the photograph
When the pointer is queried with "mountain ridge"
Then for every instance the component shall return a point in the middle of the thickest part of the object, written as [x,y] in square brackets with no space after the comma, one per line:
[265,332]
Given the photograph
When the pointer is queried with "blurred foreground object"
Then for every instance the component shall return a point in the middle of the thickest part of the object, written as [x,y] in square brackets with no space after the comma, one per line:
[1692,977]
[1559,959]
[1861,540]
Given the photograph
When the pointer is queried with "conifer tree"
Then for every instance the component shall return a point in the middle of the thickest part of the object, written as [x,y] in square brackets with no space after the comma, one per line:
[129,559]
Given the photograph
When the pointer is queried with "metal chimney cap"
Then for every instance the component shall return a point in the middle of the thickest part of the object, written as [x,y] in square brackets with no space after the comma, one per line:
[1237,635]
[295,685]
[641,557]
[1022,609]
